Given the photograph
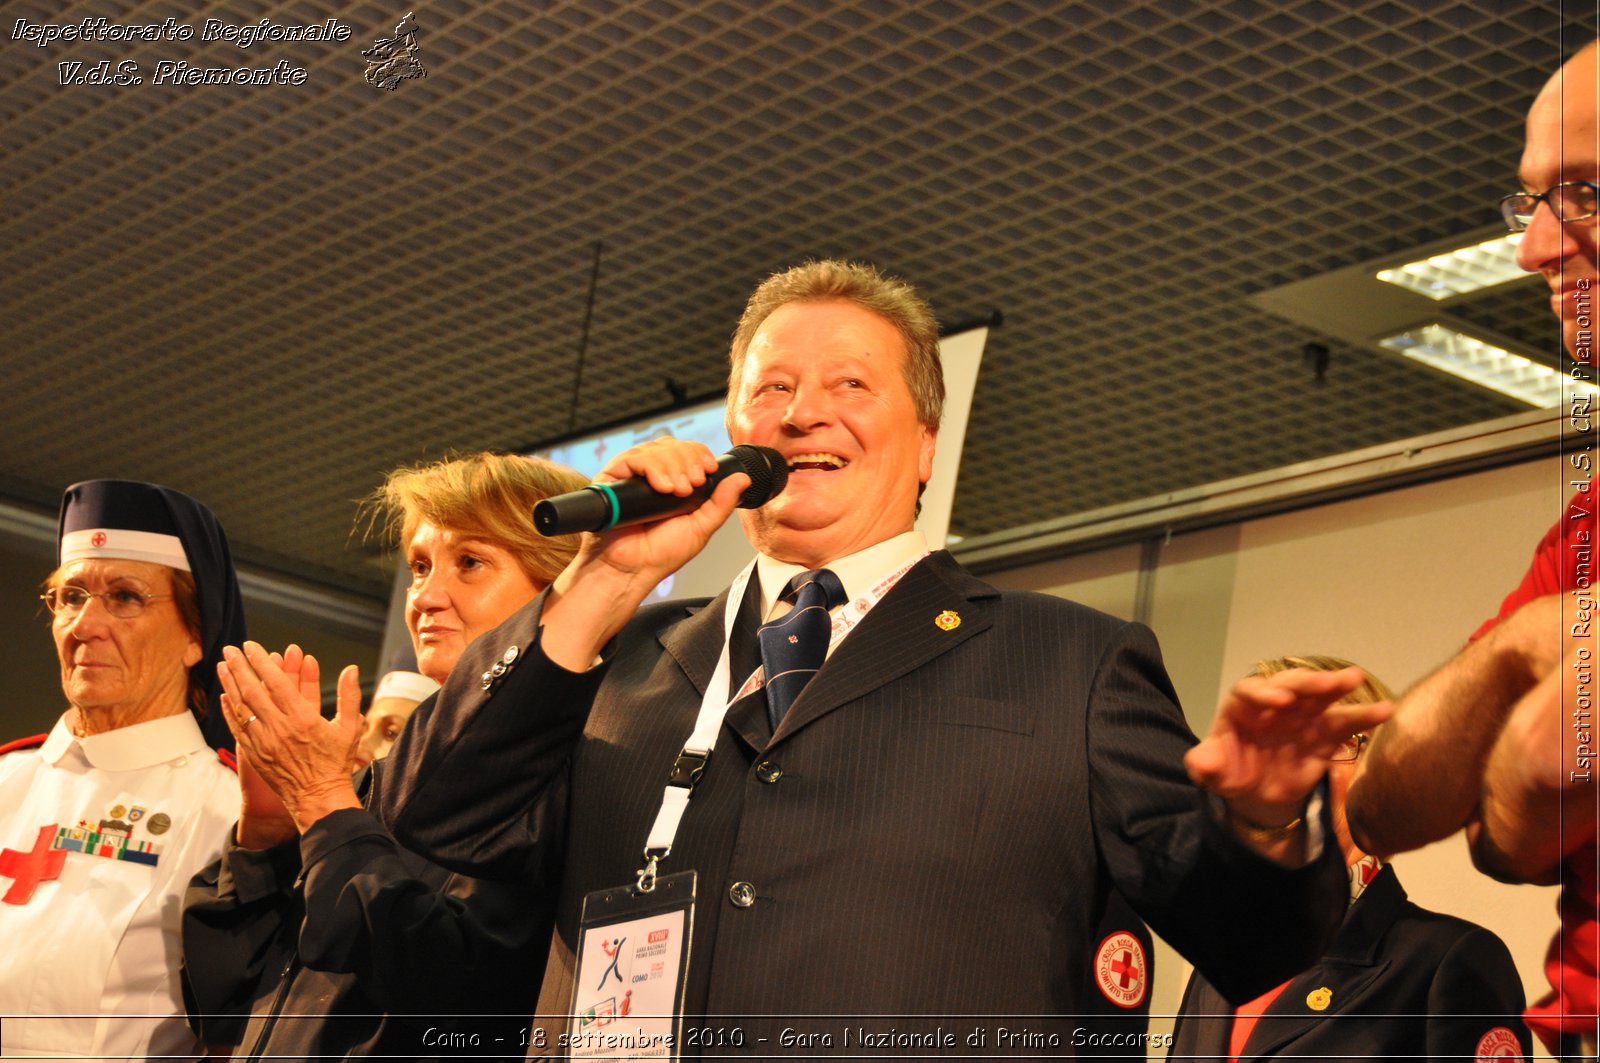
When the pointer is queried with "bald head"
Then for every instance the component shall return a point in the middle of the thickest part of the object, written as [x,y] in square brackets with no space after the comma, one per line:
[1564,145]
[1576,74]
[1563,117]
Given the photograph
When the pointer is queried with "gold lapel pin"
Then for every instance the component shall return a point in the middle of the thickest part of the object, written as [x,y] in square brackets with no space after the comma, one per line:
[947,620]
[1319,999]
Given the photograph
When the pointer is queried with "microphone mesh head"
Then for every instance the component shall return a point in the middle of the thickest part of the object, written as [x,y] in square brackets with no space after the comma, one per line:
[767,470]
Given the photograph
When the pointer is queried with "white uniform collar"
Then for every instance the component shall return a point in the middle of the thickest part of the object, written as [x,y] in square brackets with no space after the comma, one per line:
[857,571]
[140,745]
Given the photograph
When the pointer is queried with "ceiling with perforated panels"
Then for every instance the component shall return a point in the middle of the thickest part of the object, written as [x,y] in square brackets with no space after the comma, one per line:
[268,295]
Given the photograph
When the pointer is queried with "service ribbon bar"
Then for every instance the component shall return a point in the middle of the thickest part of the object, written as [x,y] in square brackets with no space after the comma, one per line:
[110,846]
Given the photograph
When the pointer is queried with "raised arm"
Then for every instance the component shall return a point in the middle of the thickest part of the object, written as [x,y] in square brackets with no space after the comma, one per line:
[1539,790]
[1172,857]
[1268,747]
[274,708]
[477,779]
[598,593]
[1422,778]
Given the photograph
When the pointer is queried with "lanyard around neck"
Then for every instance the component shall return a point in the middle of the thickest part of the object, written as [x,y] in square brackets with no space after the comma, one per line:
[691,761]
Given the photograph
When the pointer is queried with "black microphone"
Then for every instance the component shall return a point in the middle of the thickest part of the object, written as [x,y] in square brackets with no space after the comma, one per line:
[601,507]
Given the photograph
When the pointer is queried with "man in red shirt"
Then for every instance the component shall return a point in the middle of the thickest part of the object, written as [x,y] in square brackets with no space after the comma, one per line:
[1501,740]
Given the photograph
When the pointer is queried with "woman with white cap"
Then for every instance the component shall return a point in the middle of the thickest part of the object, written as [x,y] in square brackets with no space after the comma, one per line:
[394,699]
[103,820]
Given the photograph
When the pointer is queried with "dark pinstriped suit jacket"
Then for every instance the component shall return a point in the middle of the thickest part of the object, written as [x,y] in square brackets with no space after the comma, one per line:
[952,809]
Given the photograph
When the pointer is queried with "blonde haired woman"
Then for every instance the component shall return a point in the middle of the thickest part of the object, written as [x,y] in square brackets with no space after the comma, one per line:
[390,950]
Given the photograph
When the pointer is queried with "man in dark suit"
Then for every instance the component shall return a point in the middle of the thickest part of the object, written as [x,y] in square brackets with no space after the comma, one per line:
[1399,982]
[913,857]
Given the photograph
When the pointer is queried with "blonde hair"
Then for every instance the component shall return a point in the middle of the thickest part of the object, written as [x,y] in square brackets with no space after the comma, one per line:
[484,495]
[1371,691]
[854,282]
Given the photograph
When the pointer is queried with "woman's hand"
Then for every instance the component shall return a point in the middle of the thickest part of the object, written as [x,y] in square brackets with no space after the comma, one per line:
[1270,742]
[274,708]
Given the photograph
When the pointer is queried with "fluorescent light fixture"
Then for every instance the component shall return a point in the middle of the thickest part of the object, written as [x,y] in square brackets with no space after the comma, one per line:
[1486,365]
[1466,269]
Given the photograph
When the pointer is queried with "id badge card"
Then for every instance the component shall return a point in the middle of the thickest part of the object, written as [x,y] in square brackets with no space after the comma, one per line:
[633,954]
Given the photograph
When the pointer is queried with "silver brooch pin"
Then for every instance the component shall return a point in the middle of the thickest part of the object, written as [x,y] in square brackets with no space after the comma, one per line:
[498,670]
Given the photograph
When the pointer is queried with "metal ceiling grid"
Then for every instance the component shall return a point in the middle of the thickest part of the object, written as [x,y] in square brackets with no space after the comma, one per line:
[269,296]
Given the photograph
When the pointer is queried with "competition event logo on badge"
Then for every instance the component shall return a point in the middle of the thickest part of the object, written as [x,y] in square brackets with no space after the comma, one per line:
[1120,969]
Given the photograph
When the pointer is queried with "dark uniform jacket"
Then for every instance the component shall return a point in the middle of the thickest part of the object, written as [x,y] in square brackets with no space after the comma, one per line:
[933,831]
[1400,982]
[343,944]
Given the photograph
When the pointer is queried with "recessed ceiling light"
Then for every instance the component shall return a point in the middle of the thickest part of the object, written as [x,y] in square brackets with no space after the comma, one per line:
[1486,365]
[1466,269]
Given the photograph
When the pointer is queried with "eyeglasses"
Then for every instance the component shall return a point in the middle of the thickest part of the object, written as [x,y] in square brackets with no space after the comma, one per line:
[1569,200]
[1349,749]
[124,602]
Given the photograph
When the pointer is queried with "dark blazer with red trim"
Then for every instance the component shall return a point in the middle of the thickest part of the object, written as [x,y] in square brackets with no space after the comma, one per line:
[932,832]
[1401,982]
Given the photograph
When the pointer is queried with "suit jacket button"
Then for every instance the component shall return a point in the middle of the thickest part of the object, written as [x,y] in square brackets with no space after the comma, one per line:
[742,894]
[767,771]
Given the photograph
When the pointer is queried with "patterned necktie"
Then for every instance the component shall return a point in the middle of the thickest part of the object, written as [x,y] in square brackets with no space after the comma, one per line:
[793,646]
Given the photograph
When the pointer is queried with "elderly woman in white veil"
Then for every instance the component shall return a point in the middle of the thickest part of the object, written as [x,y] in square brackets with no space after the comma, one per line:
[103,820]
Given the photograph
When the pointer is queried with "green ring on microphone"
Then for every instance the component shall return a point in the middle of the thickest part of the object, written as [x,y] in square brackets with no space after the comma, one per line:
[611,500]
